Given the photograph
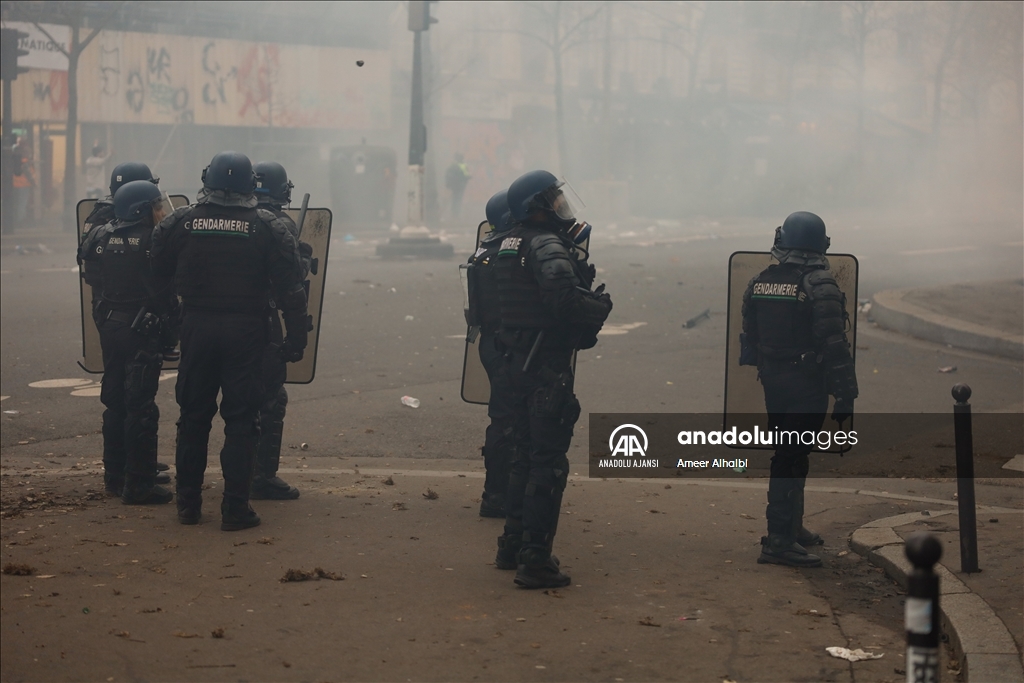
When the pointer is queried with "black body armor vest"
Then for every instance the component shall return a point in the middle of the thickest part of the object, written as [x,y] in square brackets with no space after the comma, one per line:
[519,293]
[783,311]
[126,280]
[222,266]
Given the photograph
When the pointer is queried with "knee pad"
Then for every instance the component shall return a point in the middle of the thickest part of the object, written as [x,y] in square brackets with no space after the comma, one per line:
[547,482]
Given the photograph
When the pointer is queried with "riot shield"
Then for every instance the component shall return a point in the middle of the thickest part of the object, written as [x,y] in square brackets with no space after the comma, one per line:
[744,397]
[92,355]
[315,231]
[476,385]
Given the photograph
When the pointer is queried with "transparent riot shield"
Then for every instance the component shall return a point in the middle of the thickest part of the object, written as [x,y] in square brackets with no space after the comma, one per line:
[315,231]
[92,355]
[744,397]
[476,385]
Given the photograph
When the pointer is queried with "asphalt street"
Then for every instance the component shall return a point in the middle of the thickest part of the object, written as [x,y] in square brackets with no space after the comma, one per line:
[645,558]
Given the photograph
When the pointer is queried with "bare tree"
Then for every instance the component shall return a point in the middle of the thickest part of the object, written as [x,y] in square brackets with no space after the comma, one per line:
[956,18]
[559,30]
[72,14]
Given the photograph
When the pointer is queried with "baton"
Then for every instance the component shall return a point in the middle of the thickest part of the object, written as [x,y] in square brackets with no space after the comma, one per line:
[302,212]
[533,350]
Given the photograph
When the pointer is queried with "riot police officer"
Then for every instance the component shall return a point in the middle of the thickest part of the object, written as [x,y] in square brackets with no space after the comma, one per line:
[485,314]
[273,192]
[103,210]
[547,311]
[794,330]
[227,256]
[136,313]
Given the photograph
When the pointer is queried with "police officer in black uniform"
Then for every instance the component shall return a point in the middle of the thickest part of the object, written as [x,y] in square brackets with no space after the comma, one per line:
[547,311]
[485,314]
[794,330]
[103,210]
[136,313]
[227,257]
[273,192]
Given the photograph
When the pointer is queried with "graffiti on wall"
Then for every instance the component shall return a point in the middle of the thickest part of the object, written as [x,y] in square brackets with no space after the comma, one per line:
[129,77]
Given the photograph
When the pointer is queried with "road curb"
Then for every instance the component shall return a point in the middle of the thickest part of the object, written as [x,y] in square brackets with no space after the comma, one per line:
[979,638]
[891,311]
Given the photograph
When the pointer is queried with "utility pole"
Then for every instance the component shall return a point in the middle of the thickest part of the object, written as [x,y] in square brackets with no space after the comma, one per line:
[419,21]
[10,40]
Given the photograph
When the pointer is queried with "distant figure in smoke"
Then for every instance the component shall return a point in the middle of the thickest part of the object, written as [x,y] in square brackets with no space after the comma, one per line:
[794,331]
[455,179]
[96,173]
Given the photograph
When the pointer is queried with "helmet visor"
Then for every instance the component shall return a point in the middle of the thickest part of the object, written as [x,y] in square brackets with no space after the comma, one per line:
[161,208]
[563,200]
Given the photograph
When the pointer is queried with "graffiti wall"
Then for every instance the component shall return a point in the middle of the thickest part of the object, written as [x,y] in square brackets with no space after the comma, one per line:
[149,78]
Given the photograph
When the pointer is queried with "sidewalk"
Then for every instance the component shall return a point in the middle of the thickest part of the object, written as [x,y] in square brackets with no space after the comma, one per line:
[981,612]
[979,316]
[665,583]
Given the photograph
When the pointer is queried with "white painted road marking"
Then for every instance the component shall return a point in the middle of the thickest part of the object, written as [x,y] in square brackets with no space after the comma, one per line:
[937,250]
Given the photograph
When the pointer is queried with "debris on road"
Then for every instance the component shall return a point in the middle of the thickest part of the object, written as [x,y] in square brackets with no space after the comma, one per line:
[183,634]
[431,494]
[304,446]
[947,369]
[692,322]
[217,633]
[851,655]
[318,573]
[648,621]
[389,481]
[410,401]
[12,569]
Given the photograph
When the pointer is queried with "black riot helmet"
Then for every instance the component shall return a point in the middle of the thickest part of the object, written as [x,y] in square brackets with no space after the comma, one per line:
[139,200]
[541,191]
[129,171]
[230,172]
[497,212]
[804,231]
[272,184]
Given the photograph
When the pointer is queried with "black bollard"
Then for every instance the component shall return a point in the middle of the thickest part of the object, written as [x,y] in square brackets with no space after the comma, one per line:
[922,609]
[965,479]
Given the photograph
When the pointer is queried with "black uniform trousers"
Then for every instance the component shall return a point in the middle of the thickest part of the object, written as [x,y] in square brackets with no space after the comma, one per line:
[546,410]
[275,400]
[219,352]
[131,375]
[795,399]
[499,446]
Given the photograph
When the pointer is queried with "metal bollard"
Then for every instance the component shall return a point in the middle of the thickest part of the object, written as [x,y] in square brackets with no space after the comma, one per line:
[922,609]
[965,479]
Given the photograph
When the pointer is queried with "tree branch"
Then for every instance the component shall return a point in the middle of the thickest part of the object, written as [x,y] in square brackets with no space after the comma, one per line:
[103,24]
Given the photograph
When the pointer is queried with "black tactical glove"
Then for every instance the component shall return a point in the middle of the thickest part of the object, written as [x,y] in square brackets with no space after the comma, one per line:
[297,326]
[842,410]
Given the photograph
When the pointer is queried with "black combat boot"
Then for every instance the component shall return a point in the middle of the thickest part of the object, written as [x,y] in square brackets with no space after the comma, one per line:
[190,505]
[237,515]
[538,568]
[492,505]
[272,488]
[142,491]
[783,549]
[508,551]
[804,536]
[113,486]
